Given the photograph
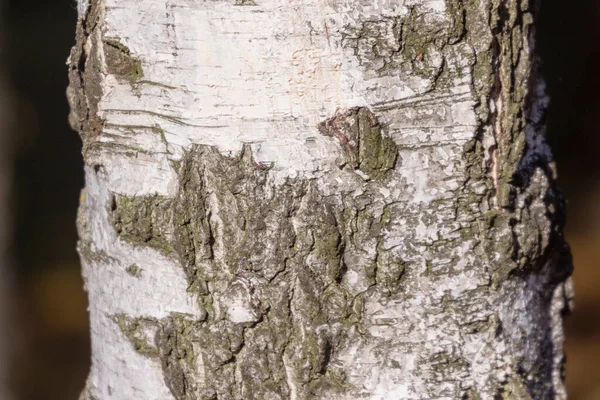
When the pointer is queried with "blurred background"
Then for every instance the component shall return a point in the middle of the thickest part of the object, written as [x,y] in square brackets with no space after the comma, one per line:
[50,344]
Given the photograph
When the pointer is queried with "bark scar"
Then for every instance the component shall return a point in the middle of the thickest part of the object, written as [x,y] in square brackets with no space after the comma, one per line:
[362,138]
[334,127]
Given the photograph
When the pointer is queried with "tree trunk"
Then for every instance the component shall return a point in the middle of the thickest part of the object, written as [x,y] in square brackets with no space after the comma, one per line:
[317,199]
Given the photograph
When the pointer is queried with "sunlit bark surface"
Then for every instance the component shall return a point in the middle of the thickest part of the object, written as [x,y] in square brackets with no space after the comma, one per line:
[330,199]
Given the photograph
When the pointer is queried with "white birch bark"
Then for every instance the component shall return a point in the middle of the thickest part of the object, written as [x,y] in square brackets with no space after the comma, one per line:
[332,199]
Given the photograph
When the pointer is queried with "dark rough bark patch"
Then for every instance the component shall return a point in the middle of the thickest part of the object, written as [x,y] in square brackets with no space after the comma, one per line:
[120,62]
[365,146]
[137,331]
[177,354]
[525,231]
[409,45]
[85,79]
[143,220]
[289,249]
[514,389]
[285,248]
[134,270]
[524,213]
[225,207]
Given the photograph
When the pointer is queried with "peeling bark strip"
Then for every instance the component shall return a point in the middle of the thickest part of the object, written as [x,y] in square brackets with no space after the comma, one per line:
[317,199]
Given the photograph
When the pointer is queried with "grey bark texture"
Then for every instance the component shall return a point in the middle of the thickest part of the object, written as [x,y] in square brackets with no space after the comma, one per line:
[419,256]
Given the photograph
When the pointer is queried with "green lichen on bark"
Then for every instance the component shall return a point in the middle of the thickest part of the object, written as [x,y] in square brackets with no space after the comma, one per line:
[411,45]
[393,44]
[120,63]
[143,221]
[328,246]
[390,270]
[472,394]
[376,153]
[514,389]
[169,340]
[283,248]
[253,238]
[137,330]
[134,270]
[364,144]
[177,354]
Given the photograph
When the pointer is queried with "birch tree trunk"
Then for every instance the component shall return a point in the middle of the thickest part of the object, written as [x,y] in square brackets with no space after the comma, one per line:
[328,199]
